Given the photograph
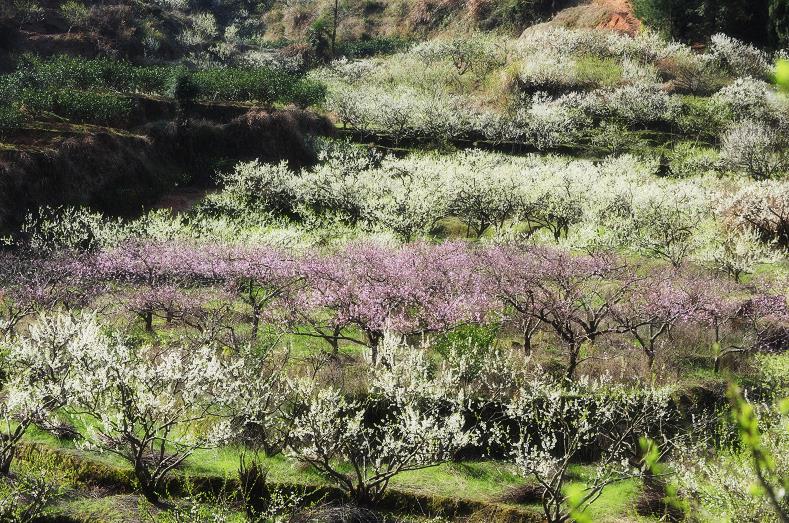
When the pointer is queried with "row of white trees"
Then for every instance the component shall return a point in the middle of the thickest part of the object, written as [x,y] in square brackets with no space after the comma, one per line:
[155,406]
[615,204]
[553,88]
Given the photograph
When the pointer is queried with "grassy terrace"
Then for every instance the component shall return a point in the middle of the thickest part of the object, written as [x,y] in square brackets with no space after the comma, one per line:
[484,482]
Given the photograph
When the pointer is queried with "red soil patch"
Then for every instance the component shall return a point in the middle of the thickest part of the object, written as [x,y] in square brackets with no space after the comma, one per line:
[612,15]
[622,17]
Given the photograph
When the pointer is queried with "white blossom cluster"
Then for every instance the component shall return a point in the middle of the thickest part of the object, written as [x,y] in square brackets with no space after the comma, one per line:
[618,203]
[437,89]
[155,406]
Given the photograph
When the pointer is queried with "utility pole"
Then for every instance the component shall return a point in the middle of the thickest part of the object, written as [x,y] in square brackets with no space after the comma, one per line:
[334,25]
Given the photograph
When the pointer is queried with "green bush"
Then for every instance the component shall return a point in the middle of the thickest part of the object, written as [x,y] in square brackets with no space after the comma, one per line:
[10,117]
[154,79]
[695,20]
[77,105]
[779,23]
[261,84]
[96,73]
[596,71]
[182,87]
[9,89]
[373,46]
[87,89]
[467,339]
[306,93]
[66,71]
[701,118]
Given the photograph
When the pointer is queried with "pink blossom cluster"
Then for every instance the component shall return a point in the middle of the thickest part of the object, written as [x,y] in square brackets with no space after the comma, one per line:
[361,291]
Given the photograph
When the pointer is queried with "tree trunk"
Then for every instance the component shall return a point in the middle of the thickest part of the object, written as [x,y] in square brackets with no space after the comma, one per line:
[148,488]
[573,363]
[650,358]
[334,343]
[374,339]
[148,318]
[5,462]
[255,323]
[527,342]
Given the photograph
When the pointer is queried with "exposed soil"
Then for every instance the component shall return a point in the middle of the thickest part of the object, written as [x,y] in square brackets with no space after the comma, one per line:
[622,17]
[612,15]
[122,172]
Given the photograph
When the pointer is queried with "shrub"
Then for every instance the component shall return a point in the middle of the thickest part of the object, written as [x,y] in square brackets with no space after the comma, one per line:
[550,73]
[263,84]
[756,149]
[692,73]
[153,78]
[60,73]
[25,497]
[79,105]
[466,339]
[476,54]
[719,480]
[10,118]
[75,13]
[702,118]
[747,98]
[63,71]
[639,104]
[307,93]
[740,58]
[693,20]
[373,46]
[202,30]
[614,138]
[182,88]
[779,23]
[688,159]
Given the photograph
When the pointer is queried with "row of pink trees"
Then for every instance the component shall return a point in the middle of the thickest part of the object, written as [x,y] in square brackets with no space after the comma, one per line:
[358,293]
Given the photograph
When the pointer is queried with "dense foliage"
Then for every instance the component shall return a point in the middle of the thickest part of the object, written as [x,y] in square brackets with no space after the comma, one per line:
[103,90]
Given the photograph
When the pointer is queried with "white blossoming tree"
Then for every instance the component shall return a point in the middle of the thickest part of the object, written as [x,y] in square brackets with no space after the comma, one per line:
[253,392]
[755,149]
[152,407]
[663,225]
[400,426]
[558,421]
[738,252]
[37,367]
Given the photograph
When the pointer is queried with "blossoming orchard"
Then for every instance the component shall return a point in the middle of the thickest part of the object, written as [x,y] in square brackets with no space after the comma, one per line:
[522,277]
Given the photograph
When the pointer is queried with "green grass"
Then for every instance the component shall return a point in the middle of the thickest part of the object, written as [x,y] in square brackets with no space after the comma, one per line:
[617,502]
[476,480]
[107,509]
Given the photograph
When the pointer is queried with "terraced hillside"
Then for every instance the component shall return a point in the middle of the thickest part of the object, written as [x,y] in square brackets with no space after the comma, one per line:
[417,260]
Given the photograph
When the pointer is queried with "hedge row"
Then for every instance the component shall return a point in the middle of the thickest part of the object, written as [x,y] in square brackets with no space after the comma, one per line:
[97,90]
